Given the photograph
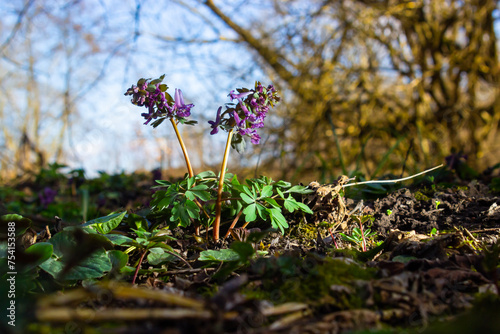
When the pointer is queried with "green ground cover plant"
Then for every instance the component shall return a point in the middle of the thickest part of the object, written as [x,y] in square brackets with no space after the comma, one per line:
[183,226]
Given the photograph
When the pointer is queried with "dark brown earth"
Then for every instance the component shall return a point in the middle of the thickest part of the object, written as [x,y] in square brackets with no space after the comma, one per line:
[407,281]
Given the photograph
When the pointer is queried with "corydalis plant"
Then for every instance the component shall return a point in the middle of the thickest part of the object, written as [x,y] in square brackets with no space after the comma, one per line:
[241,119]
[152,94]
[246,115]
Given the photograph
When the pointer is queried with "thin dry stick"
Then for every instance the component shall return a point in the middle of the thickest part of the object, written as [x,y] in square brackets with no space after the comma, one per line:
[392,181]
[66,314]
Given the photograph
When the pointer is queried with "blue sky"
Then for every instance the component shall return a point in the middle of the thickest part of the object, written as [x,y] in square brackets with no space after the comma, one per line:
[107,131]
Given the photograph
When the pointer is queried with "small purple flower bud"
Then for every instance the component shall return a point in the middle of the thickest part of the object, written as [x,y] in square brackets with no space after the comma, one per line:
[239,96]
[255,139]
[215,124]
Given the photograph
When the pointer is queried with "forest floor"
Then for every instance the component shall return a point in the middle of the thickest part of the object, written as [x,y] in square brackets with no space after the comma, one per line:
[431,266]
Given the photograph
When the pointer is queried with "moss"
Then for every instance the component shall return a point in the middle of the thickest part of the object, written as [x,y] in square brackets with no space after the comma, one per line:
[419,196]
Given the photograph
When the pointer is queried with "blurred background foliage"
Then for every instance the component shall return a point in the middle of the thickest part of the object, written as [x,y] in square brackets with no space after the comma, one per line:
[411,79]
[369,87]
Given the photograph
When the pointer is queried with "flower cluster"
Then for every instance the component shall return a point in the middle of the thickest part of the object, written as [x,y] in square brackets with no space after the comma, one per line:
[248,114]
[152,95]
[47,196]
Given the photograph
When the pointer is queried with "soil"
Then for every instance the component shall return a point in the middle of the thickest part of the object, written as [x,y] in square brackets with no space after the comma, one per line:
[433,260]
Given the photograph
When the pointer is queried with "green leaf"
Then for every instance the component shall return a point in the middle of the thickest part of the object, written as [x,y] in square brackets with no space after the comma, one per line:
[244,249]
[291,205]
[282,184]
[118,259]
[163,183]
[94,266]
[118,239]
[249,213]
[299,190]
[238,143]
[107,223]
[304,208]
[234,179]
[261,210]
[247,191]
[205,175]
[164,203]
[158,256]
[199,191]
[267,191]
[247,199]
[161,238]
[77,255]
[136,221]
[39,253]
[192,209]
[182,212]
[190,182]
[21,224]
[156,123]
[277,219]
[272,202]
[349,238]
[161,245]
[219,255]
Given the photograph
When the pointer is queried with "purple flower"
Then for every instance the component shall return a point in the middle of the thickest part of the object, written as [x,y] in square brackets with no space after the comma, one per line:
[152,95]
[180,108]
[255,139]
[215,124]
[249,113]
[47,196]
[239,96]
[239,122]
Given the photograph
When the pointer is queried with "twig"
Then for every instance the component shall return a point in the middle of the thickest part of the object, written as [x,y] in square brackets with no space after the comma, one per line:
[392,181]
[185,271]
[179,257]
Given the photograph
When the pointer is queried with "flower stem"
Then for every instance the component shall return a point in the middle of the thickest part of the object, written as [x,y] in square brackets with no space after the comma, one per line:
[221,185]
[139,266]
[363,244]
[233,224]
[183,147]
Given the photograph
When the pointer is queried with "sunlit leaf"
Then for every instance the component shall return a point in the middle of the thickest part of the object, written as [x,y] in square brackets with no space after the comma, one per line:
[107,223]
[219,255]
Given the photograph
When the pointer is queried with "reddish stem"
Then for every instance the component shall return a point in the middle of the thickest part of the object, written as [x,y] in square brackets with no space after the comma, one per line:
[363,245]
[139,266]
[233,223]
[333,238]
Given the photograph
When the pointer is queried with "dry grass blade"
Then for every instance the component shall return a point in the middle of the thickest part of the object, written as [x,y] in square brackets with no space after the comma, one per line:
[65,314]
